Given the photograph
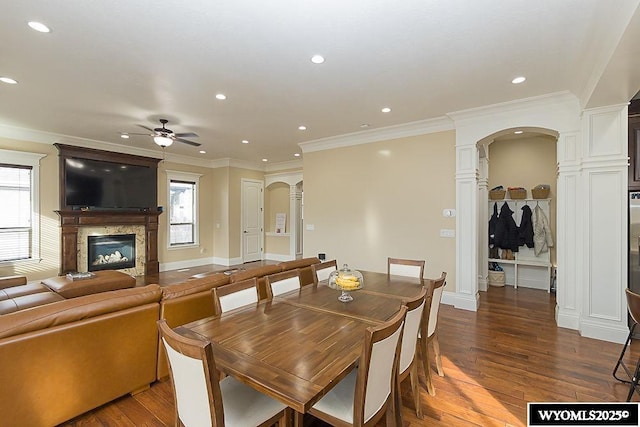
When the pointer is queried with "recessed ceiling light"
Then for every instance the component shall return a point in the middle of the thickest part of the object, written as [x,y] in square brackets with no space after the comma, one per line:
[386,110]
[365,125]
[265,160]
[518,80]
[297,154]
[39,26]
[124,136]
[518,132]
[244,141]
[203,152]
[317,59]
[8,80]
[221,96]
[302,127]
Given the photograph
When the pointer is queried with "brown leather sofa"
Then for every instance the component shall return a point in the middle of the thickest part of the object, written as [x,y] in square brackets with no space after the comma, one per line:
[65,358]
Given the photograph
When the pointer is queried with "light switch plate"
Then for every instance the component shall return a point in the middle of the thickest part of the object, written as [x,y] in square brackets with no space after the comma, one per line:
[447,233]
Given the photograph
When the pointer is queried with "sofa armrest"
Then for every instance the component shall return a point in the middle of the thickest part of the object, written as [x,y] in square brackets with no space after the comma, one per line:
[11,281]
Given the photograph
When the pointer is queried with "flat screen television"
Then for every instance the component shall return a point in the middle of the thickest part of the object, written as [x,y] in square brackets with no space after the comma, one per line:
[97,184]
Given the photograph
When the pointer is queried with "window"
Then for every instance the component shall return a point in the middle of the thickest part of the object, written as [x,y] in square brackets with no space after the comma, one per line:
[19,212]
[183,209]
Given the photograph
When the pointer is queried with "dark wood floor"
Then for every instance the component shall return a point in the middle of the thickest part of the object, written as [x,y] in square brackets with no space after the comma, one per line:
[496,360]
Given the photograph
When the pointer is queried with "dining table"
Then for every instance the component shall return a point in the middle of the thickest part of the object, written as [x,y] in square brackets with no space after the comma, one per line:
[298,345]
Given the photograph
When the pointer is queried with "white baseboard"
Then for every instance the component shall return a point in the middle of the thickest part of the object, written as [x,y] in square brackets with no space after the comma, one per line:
[227,261]
[603,332]
[464,302]
[278,257]
[177,265]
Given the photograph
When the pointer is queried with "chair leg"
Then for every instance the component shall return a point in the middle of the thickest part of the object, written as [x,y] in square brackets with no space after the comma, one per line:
[634,381]
[436,351]
[424,351]
[413,376]
[620,359]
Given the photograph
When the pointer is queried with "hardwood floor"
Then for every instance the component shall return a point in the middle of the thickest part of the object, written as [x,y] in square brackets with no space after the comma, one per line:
[496,360]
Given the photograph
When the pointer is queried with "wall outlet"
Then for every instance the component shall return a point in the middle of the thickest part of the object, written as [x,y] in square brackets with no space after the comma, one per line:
[447,233]
[310,227]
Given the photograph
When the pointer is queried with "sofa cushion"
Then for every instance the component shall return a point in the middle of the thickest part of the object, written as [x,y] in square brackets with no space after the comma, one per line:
[71,310]
[27,301]
[193,286]
[106,280]
[18,291]
[9,281]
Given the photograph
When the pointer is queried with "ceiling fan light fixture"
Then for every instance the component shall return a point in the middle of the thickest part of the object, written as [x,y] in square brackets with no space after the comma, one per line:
[163,141]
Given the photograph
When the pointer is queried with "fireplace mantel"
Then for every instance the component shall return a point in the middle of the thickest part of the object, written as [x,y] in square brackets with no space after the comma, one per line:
[72,220]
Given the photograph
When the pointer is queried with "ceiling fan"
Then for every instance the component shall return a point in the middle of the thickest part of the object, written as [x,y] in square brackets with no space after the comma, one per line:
[164,137]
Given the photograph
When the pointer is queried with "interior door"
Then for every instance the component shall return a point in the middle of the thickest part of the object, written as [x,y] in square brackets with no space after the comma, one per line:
[252,218]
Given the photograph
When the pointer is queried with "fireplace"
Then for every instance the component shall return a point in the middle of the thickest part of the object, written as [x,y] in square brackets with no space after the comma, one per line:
[112,252]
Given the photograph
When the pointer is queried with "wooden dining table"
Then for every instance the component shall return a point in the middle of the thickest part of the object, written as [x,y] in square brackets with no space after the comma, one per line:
[298,345]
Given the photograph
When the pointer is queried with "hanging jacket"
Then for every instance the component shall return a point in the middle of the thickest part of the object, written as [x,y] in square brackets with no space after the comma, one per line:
[493,222]
[542,239]
[525,229]
[506,236]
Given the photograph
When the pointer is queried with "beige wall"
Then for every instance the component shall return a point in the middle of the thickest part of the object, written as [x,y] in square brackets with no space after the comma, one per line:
[220,216]
[526,162]
[276,200]
[49,264]
[372,201]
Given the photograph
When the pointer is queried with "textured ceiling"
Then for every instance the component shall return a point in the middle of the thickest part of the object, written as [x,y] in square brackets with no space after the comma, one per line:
[108,66]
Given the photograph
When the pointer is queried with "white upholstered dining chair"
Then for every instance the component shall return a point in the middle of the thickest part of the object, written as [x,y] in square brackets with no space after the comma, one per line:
[235,295]
[432,335]
[408,365]
[203,400]
[322,271]
[369,391]
[405,267]
[282,282]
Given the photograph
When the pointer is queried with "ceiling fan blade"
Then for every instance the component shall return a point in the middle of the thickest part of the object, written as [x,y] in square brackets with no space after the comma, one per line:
[195,144]
[133,133]
[186,134]
[147,128]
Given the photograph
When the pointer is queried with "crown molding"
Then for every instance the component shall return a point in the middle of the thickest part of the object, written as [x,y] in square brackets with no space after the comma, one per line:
[558,98]
[421,127]
[283,166]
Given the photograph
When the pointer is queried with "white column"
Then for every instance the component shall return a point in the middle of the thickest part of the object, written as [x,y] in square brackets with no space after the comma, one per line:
[604,211]
[569,239]
[466,225]
[483,223]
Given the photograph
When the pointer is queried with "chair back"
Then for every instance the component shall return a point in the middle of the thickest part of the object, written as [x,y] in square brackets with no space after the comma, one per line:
[378,368]
[633,304]
[405,267]
[280,283]
[192,370]
[322,271]
[234,295]
[438,287]
[414,322]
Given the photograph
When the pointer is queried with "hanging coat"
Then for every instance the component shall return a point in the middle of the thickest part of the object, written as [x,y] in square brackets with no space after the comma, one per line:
[525,229]
[542,239]
[506,236]
[493,222]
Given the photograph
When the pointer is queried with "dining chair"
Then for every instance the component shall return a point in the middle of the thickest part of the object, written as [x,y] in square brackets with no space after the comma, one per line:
[431,339]
[322,271]
[282,282]
[201,399]
[369,391]
[234,295]
[633,305]
[405,267]
[414,322]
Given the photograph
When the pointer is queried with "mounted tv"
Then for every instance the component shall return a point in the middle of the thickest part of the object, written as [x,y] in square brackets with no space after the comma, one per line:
[98,184]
